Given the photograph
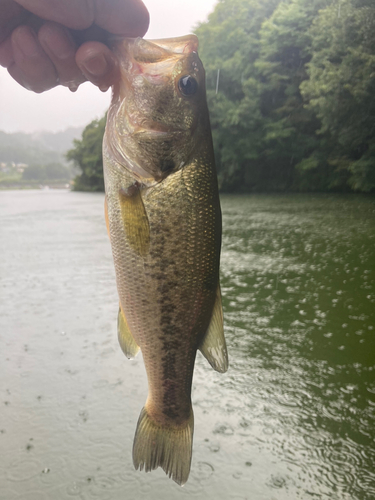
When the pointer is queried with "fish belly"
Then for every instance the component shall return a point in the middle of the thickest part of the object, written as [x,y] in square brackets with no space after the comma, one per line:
[167,276]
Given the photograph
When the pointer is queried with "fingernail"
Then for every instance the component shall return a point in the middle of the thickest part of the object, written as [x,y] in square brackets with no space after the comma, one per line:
[26,42]
[97,65]
[58,43]
[6,53]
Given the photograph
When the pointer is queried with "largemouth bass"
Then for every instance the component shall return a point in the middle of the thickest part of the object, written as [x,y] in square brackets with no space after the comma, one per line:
[164,221]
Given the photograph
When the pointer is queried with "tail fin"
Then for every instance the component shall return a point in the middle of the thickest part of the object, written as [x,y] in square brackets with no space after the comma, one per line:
[167,447]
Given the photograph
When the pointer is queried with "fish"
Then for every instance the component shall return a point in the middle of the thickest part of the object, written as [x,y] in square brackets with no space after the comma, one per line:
[164,221]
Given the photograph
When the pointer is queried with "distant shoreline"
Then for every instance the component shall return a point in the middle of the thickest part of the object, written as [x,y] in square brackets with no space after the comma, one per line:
[21,185]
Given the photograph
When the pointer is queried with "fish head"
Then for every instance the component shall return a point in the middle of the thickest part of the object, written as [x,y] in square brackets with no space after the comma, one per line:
[158,111]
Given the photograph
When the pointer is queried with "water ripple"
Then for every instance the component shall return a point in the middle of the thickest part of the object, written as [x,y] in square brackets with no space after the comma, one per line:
[22,470]
[294,415]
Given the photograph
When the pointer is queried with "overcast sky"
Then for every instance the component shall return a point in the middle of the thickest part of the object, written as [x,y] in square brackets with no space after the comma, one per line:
[57,109]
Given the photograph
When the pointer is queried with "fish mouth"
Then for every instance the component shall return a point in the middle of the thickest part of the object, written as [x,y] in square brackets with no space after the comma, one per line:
[136,126]
[155,129]
[156,133]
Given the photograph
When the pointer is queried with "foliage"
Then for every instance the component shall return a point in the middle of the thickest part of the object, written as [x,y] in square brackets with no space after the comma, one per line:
[87,155]
[51,171]
[341,87]
[295,103]
[37,148]
[229,48]
[21,148]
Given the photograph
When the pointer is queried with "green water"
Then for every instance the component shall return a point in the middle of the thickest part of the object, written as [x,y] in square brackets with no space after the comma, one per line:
[299,288]
[294,417]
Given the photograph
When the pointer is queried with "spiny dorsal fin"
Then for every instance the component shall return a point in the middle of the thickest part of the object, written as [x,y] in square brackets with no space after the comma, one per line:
[135,220]
[125,338]
[213,346]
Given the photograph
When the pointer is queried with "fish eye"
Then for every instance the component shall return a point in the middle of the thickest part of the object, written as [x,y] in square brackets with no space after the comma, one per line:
[187,85]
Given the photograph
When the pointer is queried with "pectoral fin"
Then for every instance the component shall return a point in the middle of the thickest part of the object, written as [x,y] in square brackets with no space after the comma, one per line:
[135,220]
[125,338]
[213,346]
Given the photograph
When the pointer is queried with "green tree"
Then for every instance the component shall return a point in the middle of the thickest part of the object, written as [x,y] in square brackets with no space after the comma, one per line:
[341,88]
[229,48]
[50,172]
[295,103]
[289,128]
[261,129]
[34,172]
[87,155]
[57,171]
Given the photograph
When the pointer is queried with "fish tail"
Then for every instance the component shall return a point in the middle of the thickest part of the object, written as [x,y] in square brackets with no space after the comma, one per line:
[164,446]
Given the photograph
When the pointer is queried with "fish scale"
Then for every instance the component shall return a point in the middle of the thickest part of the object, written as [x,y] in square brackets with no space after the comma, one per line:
[165,231]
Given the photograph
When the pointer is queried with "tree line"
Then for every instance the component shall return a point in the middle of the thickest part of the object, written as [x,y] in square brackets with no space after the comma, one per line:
[291,93]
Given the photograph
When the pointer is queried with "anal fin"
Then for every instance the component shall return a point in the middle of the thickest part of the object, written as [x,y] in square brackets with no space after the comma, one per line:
[125,338]
[213,346]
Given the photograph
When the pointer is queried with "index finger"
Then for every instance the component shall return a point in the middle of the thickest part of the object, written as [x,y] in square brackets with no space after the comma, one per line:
[120,17]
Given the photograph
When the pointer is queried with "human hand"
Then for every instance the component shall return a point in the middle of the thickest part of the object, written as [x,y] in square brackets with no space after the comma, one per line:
[44,43]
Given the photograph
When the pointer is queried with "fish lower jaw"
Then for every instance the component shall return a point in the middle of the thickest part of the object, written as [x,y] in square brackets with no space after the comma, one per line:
[156,133]
[142,126]
[152,132]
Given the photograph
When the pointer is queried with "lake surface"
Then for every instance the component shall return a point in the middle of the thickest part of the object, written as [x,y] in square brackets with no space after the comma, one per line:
[294,416]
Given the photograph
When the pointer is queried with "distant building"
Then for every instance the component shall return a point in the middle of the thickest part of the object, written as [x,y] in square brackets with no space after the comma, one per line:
[8,167]
[20,167]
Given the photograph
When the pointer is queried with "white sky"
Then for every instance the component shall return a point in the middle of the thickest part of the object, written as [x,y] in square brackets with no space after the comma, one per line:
[57,109]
